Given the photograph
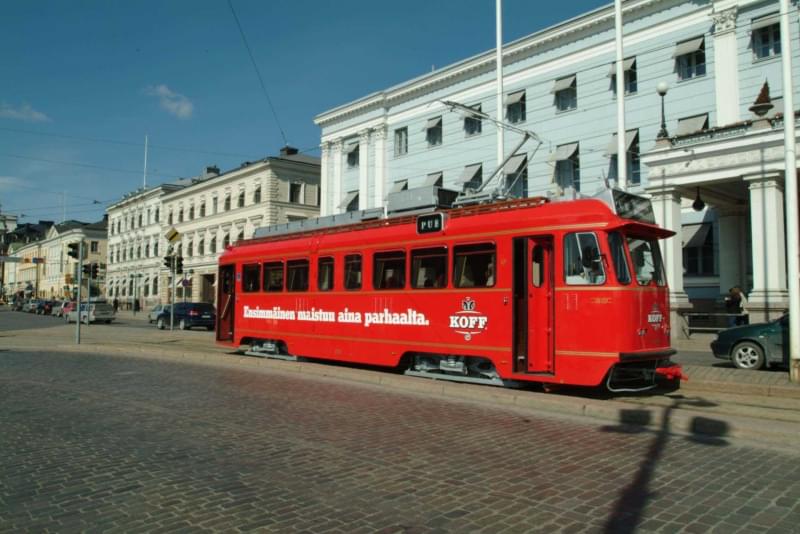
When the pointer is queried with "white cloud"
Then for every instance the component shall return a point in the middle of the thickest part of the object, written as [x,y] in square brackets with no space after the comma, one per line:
[23,113]
[7,183]
[173,102]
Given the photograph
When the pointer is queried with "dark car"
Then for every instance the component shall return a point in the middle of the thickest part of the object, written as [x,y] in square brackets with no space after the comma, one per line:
[188,315]
[754,346]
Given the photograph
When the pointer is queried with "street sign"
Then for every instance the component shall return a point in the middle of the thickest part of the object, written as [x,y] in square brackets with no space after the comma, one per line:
[172,235]
[186,282]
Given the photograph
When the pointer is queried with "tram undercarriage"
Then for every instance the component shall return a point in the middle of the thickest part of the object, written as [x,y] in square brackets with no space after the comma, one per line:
[470,369]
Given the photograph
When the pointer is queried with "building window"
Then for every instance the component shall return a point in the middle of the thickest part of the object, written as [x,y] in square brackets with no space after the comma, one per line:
[566,93]
[201,247]
[240,200]
[240,236]
[226,241]
[766,37]
[515,107]
[401,141]
[212,246]
[567,158]
[138,252]
[296,193]
[516,176]
[631,81]
[189,249]
[698,249]
[433,131]
[350,202]
[157,219]
[191,213]
[690,58]
[353,155]
[632,161]
[257,195]
[94,246]
[214,206]
[180,215]
[473,123]
[434,179]
[155,248]
[202,209]
[155,286]
[140,220]
[147,250]
[472,177]
[227,206]
[169,219]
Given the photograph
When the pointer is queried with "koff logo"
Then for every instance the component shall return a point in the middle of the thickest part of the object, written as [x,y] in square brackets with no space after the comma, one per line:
[468,321]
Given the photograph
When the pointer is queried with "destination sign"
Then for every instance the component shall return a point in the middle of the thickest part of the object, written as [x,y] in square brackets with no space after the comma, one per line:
[634,207]
[430,223]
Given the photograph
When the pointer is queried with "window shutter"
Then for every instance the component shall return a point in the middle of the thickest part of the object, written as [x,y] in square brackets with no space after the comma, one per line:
[283,191]
[311,195]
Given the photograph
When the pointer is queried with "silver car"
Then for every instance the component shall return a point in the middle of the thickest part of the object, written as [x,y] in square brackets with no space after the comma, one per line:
[93,313]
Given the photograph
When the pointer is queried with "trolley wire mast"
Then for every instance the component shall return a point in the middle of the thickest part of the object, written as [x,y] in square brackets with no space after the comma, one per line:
[503,293]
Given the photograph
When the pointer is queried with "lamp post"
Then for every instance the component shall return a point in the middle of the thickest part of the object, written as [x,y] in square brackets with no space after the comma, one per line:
[662,89]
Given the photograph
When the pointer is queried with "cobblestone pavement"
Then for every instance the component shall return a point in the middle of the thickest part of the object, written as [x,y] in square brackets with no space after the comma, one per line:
[114,444]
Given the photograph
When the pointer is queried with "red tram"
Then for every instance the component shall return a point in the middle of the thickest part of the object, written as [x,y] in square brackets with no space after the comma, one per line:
[569,292]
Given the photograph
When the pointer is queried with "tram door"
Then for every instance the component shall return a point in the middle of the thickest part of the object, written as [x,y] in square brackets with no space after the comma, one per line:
[533,304]
[226,297]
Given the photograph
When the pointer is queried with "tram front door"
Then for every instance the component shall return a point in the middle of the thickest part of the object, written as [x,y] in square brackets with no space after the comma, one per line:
[226,298]
[533,305]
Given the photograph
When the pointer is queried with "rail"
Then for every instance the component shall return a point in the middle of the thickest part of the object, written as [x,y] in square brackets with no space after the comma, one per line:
[708,321]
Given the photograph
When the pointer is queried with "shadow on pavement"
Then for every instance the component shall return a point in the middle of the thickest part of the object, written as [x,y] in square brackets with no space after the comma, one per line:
[630,506]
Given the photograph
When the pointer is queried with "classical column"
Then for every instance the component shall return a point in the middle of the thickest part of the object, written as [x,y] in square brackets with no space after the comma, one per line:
[769,296]
[380,165]
[324,186]
[363,170]
[337,175]
[667,208]
[726,66]
[732,265]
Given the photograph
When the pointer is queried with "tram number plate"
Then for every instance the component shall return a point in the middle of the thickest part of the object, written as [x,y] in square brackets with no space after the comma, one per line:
[432,222]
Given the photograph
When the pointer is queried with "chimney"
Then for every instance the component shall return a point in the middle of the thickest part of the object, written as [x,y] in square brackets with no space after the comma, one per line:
[210,171]
[288,151]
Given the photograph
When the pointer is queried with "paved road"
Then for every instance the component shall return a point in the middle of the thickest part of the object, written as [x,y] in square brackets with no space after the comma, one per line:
[109,443]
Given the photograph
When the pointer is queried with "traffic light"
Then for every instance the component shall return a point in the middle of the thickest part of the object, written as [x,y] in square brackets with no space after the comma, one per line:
[179,265]
[168,262]
[95,268]
[87,269]
[74,250]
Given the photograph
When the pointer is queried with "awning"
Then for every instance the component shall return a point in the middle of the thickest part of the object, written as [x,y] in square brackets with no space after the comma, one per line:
[563,152]
[351,148]
[515,97]
[687,47]
[433,123]
[563,83]
[763,22]
[694,235]
[692,124]
[352,195]
[515,163]
[469,174]
[434,178]
[627,64]
[399,185]
[630,137]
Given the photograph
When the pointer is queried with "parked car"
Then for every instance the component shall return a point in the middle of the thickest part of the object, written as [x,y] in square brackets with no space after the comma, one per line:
[754,346]
[45,307]
[31,306]
[93,312]
[58,308]
[152,315]
[188,315]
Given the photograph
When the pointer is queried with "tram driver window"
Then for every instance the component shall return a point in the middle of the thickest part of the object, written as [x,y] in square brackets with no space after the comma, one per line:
[251,275]
[582,262]
[297,275]
[273,276]
[429,268]
[325,274]
[616,243]
[389,270]
[474,265]
[352,271]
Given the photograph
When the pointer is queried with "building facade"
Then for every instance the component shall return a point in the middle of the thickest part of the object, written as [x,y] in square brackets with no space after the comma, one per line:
[560,84]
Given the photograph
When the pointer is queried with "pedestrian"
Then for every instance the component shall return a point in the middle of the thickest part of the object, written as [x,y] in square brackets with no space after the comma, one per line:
[116,304]
[736,307]
[744,317]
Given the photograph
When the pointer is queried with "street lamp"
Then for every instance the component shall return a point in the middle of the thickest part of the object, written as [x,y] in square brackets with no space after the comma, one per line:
[662,89]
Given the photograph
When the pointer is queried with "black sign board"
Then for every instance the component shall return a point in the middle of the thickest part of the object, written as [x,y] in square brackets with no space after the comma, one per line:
[630,206]
[430,223]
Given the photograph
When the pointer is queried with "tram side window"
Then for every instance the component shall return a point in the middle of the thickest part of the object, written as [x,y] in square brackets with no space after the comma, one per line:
[273,276]
[389,270]
[297,275]
[647,262]
[429,268]
[474,265]
[617,245]
[582,262]
[325,274]
[251,275]
[352,271]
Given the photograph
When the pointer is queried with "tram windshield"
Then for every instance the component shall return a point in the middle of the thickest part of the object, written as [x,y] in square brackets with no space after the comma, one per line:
[647,264]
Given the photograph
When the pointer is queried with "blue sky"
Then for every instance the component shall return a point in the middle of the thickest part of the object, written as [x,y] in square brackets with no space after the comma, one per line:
[84,81]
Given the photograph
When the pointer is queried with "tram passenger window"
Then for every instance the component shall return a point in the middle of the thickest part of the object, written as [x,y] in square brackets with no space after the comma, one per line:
[647,262]
[474,265]
[616,244]
[429,268]
[582,262]
[251,275]
[389,270]
[297,275]
[325,274]
[273,276]
[352,271]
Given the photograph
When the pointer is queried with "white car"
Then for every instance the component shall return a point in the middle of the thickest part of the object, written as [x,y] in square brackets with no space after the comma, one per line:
[93,313]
